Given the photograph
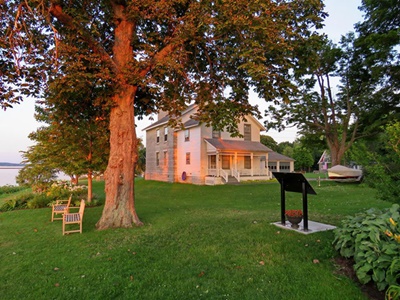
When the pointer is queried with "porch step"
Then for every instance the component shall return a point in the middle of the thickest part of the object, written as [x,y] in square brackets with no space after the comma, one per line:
[232,180]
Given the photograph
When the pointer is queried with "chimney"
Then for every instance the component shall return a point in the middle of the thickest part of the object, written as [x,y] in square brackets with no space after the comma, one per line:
[161,114]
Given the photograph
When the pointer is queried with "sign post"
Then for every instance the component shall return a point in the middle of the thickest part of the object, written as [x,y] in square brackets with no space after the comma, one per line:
[294,182]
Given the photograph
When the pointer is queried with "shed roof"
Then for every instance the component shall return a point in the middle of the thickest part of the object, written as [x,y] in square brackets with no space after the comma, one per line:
[275,156]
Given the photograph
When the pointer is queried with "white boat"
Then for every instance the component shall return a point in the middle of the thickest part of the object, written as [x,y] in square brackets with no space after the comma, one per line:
[344,174]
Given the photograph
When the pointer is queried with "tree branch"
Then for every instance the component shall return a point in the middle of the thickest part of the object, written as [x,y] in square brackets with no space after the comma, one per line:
[57,12]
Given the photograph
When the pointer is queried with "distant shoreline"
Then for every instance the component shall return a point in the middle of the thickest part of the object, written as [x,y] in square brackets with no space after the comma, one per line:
[7,165]
[11,167]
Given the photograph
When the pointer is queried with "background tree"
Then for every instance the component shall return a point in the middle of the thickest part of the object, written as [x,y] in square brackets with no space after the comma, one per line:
[286,148]
[141,163]
[377,45]
[317,110]
[77,118]
[269,142]
[38,172]
[315,144]
[380,159]
[159,55]
[303,158]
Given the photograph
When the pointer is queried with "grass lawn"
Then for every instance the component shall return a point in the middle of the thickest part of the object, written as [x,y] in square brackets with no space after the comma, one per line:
[198,242]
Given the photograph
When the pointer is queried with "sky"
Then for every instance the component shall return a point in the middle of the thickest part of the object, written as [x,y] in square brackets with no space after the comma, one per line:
[17,123]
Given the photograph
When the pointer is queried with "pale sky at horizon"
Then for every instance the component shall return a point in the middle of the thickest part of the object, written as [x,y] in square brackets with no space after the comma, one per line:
[17,123]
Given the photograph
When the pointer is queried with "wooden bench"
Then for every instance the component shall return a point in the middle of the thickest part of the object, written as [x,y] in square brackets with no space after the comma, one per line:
[59,207]
[73,218]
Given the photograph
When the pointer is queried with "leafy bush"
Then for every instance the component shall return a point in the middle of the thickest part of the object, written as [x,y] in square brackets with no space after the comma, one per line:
[393,292]
[385,177]
[9,189]
[16,202]
[38,201]
[372,238]
[58,190]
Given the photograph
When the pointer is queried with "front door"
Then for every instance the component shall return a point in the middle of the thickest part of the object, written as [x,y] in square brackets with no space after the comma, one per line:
[226,162]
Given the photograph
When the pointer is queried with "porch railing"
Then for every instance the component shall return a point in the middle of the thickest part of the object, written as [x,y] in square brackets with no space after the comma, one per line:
[224,174]
[236,174]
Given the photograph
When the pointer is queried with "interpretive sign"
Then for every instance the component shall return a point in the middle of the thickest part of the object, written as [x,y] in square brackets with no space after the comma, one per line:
[294,182]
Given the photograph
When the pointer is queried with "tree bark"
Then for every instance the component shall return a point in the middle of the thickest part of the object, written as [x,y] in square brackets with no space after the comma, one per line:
[119,209]
[337,151]
[90,186]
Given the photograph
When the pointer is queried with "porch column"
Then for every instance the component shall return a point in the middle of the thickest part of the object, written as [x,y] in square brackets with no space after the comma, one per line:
[235,159]
[217,164]
[252,164]
[278,167]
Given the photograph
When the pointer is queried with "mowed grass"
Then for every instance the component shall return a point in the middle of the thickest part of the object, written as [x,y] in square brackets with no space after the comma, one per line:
[198,242]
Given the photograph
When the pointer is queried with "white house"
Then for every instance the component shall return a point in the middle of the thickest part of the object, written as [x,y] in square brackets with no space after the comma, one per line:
[200,155]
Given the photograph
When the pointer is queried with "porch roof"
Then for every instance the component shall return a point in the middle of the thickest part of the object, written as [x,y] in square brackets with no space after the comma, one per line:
[238,146]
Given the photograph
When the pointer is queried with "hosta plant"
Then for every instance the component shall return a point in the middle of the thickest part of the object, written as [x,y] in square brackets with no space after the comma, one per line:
[372,239]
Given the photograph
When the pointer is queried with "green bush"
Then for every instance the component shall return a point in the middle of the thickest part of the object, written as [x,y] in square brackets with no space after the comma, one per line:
[38,201]
[9,189]
[60,190]
[393,292]
[17,202]
[372,238]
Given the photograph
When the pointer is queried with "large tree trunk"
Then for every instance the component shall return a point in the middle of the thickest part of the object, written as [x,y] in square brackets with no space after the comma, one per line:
[337,151]
[119,209]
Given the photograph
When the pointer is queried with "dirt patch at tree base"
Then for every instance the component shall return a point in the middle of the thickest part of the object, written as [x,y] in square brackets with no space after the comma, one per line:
[345,267]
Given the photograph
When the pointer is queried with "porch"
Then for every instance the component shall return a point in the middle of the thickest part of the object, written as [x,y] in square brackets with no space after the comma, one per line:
[242,160]
[239,175]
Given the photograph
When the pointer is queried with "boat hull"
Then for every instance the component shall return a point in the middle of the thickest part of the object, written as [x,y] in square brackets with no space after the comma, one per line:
[343,174]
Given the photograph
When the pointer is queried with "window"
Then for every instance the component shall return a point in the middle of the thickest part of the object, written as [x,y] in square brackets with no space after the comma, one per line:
[157,158]
[247,162]
[247,132]
[165,159]
[158,136]
[188,158]
[165,134]
[216,134]
[187,135]
[213,162]
[226,162]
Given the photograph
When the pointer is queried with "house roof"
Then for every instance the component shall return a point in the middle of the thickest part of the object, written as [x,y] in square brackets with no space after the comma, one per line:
[191,123]
[162,121]
[275,156]
[235,145]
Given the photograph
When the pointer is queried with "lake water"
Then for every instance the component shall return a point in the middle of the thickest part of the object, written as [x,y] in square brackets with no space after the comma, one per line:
[7,176]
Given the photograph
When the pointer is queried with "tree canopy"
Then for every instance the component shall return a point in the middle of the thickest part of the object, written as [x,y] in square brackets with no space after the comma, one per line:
[367,64]
[155,55]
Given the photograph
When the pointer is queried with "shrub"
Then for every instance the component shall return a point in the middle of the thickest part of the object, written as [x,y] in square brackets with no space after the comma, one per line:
[16,202]
[38,201]
[372,238]
[58,190]
[9,189]
[393,292]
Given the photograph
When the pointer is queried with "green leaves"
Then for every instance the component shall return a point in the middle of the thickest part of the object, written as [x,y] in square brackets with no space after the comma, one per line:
[365,237]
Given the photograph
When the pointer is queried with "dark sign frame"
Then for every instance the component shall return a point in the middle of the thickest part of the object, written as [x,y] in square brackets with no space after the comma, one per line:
[297,183]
